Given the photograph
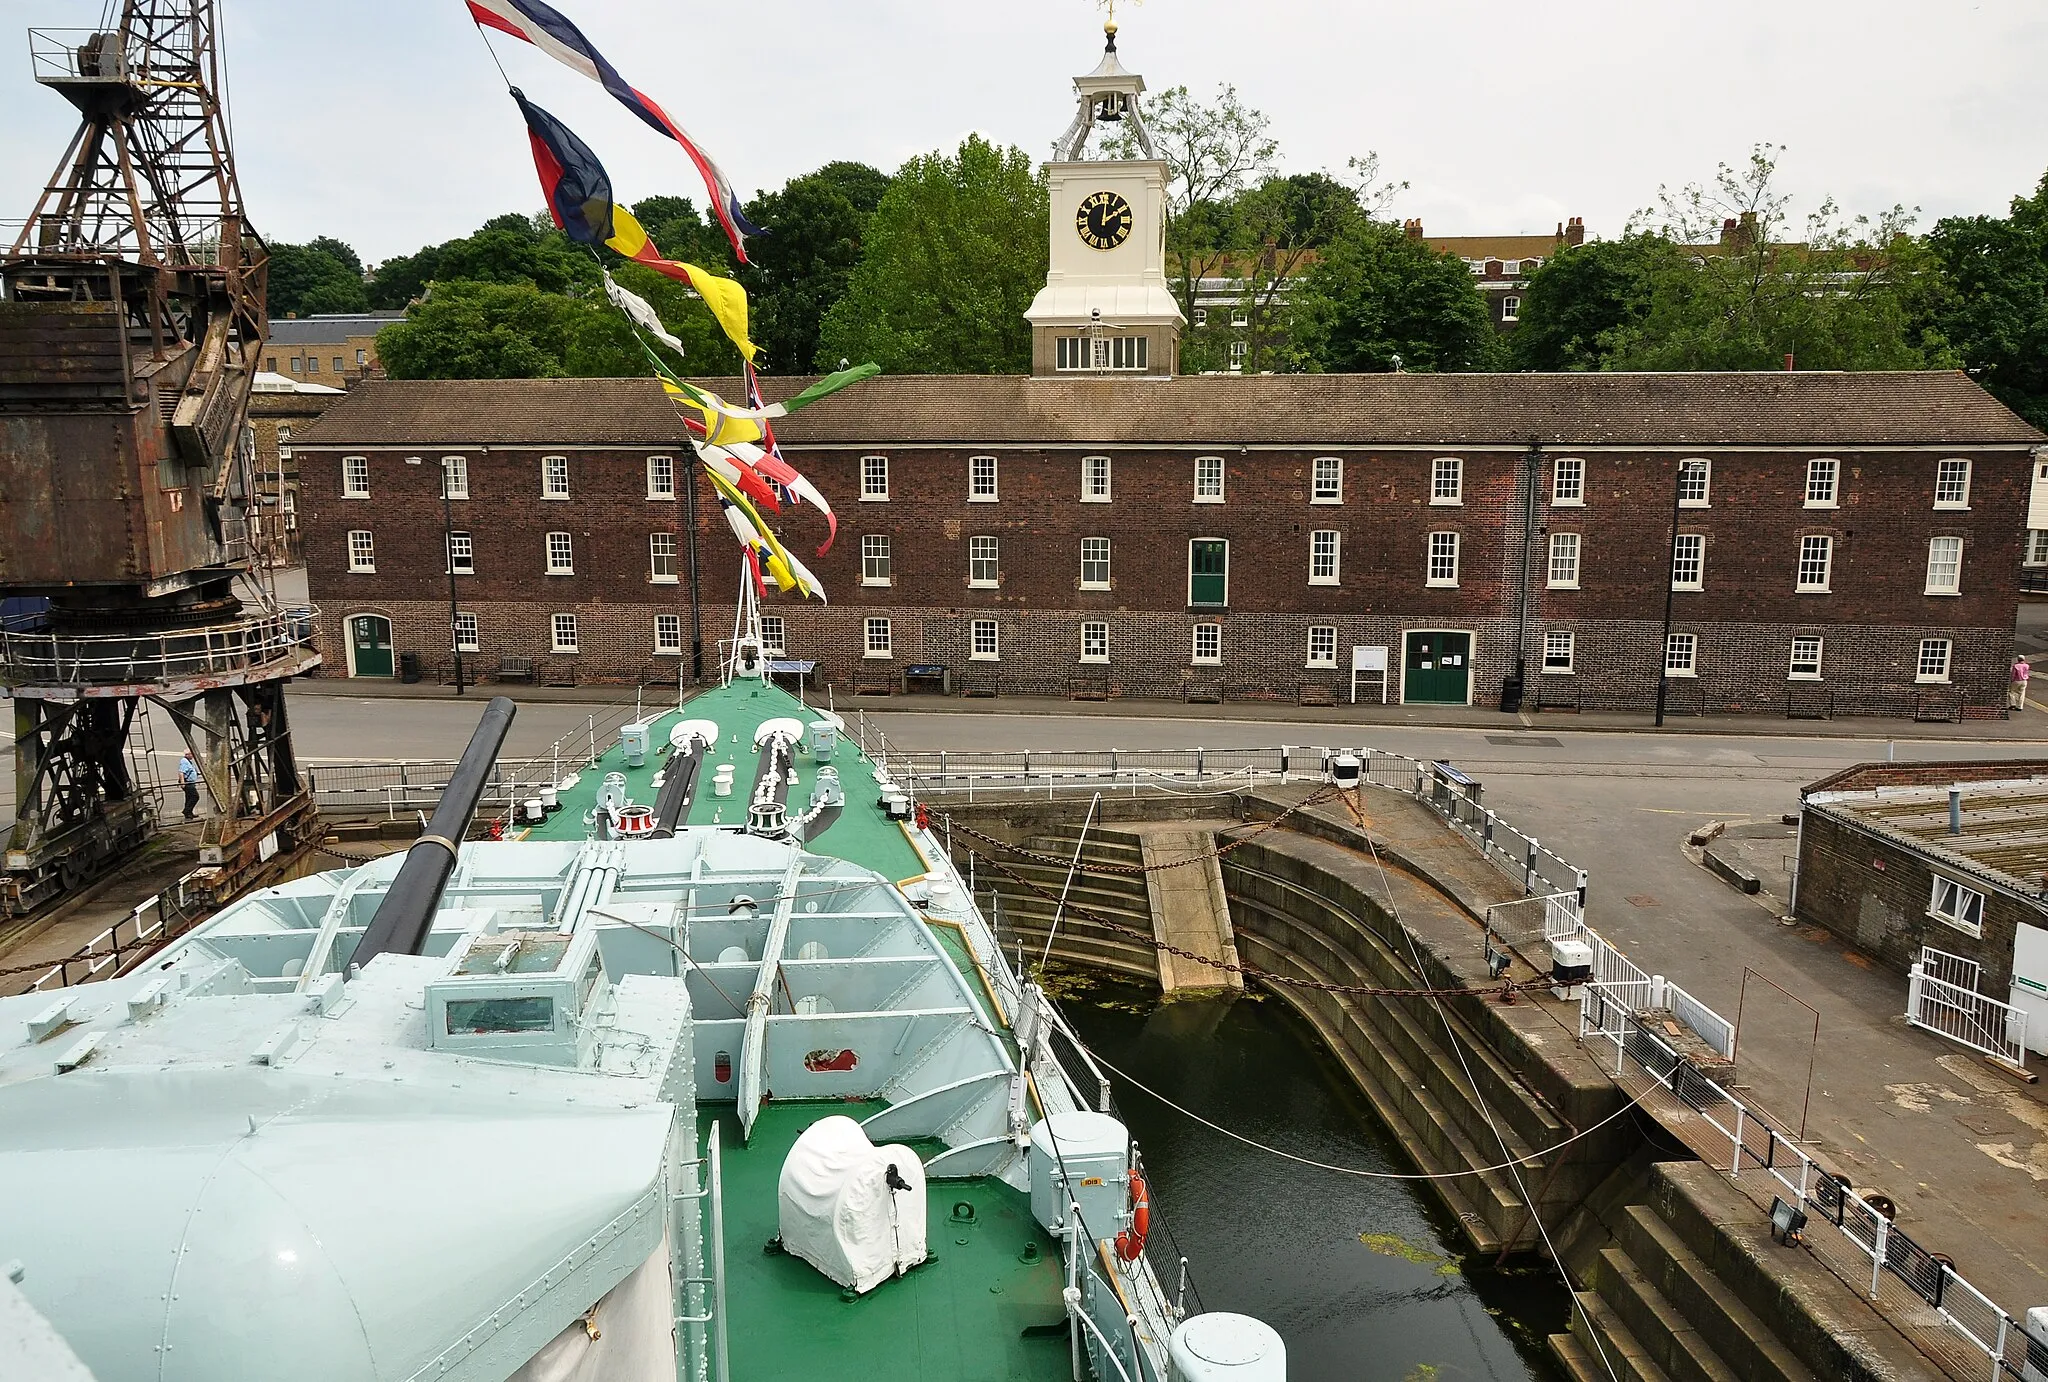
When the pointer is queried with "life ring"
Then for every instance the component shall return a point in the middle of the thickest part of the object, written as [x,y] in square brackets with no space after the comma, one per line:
[1130,1242]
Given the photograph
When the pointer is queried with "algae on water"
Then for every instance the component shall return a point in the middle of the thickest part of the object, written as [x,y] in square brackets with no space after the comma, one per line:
[1394,1245]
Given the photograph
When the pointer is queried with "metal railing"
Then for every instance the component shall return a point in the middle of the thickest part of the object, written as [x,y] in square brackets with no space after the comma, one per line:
[1941,997]
[153,921]
[1857,1238]
[29,653]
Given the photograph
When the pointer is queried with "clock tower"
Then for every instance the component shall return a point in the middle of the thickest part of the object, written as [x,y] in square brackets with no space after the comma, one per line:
[1105,308]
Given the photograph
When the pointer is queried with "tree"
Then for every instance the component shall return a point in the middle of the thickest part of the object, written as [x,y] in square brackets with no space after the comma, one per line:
[950,262]
[817,226]
[1842,297]
[1376,295]
[509,249]
[468,330]
[1586,297]
[1213,152]
[322,276]
[1994,301]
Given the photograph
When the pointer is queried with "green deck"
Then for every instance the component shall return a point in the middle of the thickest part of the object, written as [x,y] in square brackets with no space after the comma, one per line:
[861,834]
[958,1318]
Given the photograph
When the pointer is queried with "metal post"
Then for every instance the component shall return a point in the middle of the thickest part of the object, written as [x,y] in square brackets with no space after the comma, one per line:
[448,547]
[1529,870]
[718,1253]
[1736,1168]
[590,725]
[1582,895]
[1877,1252]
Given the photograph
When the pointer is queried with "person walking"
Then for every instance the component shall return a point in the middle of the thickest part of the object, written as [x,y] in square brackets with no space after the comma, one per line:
[188,773]
[2021,671]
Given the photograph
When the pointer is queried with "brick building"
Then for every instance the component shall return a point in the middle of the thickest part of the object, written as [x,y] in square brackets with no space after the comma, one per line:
[1502,265]
[332,348]
[1850,545]
[1896,857]
[280,407]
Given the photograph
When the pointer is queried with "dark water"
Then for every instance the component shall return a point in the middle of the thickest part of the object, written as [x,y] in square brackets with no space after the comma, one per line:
[1364,1279]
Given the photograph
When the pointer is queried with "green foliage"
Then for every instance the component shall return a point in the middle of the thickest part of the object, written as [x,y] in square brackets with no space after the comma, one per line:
[683,235]
[951,259]
[818,224]
[1994,305]
[469,330]
[1585,298]
[1376,294]
[323,276]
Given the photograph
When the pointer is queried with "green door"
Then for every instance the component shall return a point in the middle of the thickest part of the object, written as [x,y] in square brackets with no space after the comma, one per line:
[1208,572]
[370,638]
[1437,669]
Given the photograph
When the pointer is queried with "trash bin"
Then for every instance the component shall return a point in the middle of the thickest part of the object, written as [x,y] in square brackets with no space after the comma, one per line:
[1511,694]
[408,667]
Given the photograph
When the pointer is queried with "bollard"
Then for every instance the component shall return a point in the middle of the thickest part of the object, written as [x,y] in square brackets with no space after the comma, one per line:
[1529,870]
[1582,893]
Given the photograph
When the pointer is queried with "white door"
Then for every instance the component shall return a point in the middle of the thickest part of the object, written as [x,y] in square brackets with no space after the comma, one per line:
[2030,983]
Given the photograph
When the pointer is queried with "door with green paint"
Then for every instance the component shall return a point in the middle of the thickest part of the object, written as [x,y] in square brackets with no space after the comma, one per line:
[1209,572]
[370,640]
[1437,669]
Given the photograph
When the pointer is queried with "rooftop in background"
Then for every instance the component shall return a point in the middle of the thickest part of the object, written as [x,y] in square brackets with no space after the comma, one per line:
[2004,812]
[1766,408]
[266,382]
[327,328]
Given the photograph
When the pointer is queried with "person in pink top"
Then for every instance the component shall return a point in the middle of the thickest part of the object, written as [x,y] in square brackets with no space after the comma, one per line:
[2021,670]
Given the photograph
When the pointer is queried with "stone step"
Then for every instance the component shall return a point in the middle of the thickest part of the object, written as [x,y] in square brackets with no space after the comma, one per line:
[1666,1335]
[1740,1335]
[1607,1342]
[1578,1364]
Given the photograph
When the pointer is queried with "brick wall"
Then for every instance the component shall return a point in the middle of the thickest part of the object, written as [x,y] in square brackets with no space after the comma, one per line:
[1873,893]
[1871,619]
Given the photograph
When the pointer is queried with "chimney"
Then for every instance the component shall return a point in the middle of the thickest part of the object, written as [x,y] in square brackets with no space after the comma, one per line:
[1412,228]
[1728,231]
[1575,231]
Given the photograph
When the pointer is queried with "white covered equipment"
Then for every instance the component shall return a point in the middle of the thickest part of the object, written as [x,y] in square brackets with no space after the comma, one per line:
[838,1212]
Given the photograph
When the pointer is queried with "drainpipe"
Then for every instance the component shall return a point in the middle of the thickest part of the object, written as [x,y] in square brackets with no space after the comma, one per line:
[1670,565]
[686,475]
[1531,468]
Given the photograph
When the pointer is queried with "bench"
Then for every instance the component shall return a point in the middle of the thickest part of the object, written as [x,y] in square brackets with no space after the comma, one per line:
[515,669]
[1088,688]
[980,683]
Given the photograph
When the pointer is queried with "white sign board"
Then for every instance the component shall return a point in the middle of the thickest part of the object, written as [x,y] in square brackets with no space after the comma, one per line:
[2030,982]
[1368,659]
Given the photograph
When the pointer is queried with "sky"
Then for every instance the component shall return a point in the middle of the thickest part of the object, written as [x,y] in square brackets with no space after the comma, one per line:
[385,124]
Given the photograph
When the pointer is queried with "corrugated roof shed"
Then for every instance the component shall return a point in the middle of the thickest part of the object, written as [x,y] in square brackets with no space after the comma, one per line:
[1924,408]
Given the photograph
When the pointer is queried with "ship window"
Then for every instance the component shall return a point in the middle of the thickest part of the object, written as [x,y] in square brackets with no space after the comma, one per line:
[476,1016]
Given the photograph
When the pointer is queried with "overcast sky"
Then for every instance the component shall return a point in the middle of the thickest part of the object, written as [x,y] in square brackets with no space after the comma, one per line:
[383,122]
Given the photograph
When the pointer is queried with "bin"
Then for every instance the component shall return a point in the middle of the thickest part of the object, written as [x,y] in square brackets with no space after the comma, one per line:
[408,667]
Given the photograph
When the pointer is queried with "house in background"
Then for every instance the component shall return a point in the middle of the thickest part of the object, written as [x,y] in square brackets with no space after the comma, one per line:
[280,407]
[331,348]
[1503,264]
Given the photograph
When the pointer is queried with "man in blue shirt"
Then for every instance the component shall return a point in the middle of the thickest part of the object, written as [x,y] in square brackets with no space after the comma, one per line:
[188,773]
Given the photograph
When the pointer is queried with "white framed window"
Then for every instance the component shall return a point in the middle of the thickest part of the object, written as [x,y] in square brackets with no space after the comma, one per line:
[1932,664]
[1564,561]
[1558,650]
[1816,557]
[1095,640]
[1239,317]
[1952,904]
[561,555]
[1328,484]
[1805,663]
[1695,475]
[1689,561]
[1095,479]
[1094,563]
[455,477]
[879,642]
[312,364]
[874,559]
[1201,316]
[461,554]
[1447,481]
[1122,353]
[291,511]
[1208,479]
[355,477]
[1681,655]
[554,477]
[362,358]
[981,562]
[668,634]
[874,479]
[468,633]
[985,642]
[1238,351]
[1209,571]
[981,479]
[1322,645]
[563,628]
[1945,566]
[1823,478]
[1510,305]
[1443,559]
[1208,645]
[1511,268]
[661,558]
[774,635]
[298,364]
[2037,546]
[1322,556]
[362,550]
[1567,481]
[661,477]
[1952,484]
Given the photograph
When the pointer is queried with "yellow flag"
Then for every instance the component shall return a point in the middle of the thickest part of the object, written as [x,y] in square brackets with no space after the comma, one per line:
[728,302]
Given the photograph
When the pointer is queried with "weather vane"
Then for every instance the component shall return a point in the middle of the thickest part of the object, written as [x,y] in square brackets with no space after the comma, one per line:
[1109,24]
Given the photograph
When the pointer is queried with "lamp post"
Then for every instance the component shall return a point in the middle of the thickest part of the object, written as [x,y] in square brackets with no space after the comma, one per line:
[448,547]
[1685,468]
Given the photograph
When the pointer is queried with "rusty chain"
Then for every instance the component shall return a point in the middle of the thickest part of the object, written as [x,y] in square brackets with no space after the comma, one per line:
[1315,798]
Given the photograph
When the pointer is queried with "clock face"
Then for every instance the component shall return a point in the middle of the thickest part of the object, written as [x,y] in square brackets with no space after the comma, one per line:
[1103,221]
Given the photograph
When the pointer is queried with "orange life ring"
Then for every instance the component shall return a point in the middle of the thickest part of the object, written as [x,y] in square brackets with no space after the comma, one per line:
[1130,1242]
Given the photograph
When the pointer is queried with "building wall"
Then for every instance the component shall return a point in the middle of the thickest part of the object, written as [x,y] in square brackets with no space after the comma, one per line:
[1873,893]
[274,418]
[356,352]
[1871,619]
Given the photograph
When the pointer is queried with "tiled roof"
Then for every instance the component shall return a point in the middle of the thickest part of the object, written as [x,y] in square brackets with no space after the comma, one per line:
[1495,246]
[329,329]
[1347,410]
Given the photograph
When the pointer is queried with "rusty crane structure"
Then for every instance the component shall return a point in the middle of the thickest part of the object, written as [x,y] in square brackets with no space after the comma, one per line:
[132,318]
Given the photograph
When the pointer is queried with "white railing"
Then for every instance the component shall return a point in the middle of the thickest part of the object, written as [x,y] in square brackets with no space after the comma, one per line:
[1963,1015]
[1712,1028]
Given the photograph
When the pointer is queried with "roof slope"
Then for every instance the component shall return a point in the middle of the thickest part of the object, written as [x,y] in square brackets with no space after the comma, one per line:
[1658,410]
